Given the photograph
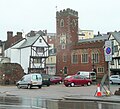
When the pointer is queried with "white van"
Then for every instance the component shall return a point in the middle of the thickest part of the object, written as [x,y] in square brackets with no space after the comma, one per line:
[88,74]
[30,80]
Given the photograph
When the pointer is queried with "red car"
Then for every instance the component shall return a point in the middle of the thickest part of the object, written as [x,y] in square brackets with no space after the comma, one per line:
[74,80]
[56,80]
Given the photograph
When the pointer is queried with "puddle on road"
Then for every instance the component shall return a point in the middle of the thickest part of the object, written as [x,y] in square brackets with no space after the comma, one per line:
[86,105]
[14,102]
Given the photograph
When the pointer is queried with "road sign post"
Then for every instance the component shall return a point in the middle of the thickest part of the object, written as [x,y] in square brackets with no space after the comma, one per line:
[108,57]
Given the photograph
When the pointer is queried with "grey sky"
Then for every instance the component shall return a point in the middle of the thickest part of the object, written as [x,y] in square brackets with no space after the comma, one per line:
[27,15]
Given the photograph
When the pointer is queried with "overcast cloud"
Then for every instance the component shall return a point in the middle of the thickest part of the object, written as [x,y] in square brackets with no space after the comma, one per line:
[27,15]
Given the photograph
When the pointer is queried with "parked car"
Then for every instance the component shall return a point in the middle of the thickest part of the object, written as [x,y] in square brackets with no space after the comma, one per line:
[30,80]
[74,80]
[87,74]
[56,79]
[115,79]
[46,79]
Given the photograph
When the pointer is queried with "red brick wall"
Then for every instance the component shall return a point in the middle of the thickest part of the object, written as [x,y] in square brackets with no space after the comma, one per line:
[71,34]
[12,39]
[73,68]
[10,72]
[73,45]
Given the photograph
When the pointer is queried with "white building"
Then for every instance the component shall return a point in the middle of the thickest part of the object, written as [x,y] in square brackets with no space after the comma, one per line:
[30,52]
[85,34]
[51,60]
[115,64]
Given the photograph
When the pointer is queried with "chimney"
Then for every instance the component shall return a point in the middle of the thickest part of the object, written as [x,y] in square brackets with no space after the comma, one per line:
[9,39]
[32,33]
[9,35]
[45,32]
[99,33]
[19,34]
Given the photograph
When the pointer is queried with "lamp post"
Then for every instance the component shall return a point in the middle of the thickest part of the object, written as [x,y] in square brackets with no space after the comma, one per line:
[3,78]
[93,64]
[46,69]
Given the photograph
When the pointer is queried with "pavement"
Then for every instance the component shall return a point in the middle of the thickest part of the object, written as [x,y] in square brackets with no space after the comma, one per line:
[104,97]
[111,98]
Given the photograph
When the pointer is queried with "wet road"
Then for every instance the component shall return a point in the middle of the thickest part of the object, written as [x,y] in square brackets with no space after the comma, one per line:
[8,102]
[54,91]
[50,98]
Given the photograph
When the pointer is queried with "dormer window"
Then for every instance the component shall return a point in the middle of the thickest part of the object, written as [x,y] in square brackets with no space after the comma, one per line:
[62,23]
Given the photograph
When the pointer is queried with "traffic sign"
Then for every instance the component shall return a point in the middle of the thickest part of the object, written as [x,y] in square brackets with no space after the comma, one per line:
[108,50]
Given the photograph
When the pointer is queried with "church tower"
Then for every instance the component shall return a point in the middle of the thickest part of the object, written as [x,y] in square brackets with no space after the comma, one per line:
[67,36]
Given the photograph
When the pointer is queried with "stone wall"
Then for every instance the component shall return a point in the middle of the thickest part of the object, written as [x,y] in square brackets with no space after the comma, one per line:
[10,73]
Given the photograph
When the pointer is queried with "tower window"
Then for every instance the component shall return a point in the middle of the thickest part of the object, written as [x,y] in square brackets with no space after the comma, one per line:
[74,23]
[64,58]
[62,23]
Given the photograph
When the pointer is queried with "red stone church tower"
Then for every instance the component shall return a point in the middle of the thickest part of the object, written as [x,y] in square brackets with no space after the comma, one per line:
[67,37]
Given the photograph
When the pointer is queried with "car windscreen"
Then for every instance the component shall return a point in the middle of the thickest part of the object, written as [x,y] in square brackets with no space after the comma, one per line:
[36,77]
[92,74]
[68,77]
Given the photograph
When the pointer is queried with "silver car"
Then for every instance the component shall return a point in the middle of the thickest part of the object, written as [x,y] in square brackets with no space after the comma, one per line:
[115,79]
[30,80]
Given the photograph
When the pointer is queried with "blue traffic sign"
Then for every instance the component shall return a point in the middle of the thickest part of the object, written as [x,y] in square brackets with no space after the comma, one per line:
[108,50]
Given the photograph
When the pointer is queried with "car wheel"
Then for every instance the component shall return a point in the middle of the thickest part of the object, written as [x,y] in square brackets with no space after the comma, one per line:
[18,86]
[48,85]
[72,84]
[29,86]
[60,82]
[111,82]
[66,85]
[89,83]
[39,87]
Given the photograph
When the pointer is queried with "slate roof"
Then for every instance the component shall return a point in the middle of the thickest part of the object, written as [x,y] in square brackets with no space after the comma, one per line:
[51,34]
[116,35]
[29,41]
[97,38]
[0,43]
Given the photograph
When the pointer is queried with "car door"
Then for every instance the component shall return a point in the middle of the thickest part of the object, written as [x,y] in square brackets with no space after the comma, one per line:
[79,80]
[114,78]
[76,80]
[117,79]
[23,82]
[82,80]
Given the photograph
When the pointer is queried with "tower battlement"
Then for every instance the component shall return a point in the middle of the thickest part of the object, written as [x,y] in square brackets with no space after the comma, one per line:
[66,12]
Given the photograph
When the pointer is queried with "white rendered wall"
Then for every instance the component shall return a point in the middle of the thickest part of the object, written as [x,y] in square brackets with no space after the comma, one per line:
[25,56]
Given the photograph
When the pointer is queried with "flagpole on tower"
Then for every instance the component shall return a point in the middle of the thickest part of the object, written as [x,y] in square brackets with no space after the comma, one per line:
[56,8]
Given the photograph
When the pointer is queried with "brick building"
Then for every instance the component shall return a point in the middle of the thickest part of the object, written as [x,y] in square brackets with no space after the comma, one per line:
[73,54]
[67,36]
[12,39]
